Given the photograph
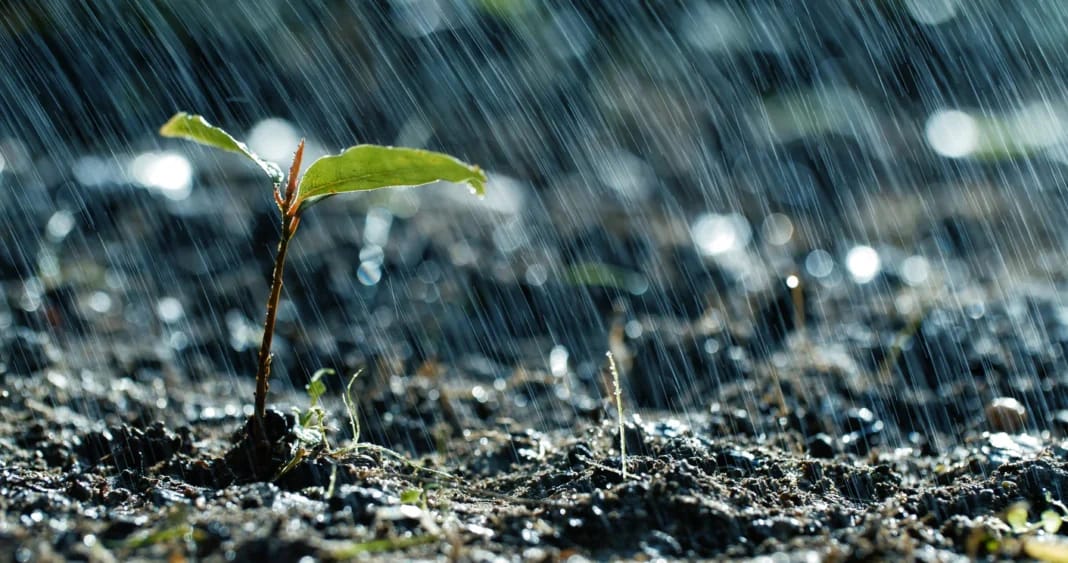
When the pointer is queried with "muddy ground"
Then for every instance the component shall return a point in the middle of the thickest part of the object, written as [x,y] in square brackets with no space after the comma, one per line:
[831,421]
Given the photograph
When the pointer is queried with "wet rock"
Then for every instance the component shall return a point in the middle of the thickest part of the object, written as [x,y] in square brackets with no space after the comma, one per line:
[820,446]
[862,429]
[259,450]
[126,447]
[360,502]
[1005,414]
[736,459]
[805,421]
[79,490]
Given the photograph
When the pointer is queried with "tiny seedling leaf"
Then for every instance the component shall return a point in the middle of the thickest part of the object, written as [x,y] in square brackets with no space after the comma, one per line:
[411,496]
[1051,521]
[370,167]
[1016,516]
[196,128]
[315,387]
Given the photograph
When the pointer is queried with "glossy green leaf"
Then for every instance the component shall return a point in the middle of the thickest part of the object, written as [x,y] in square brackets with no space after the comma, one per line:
[196,128]
[370,167]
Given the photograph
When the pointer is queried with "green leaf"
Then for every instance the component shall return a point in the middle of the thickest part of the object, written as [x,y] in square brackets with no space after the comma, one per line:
[370,167]
[1051,521]
[315,387]
[196,128]
[411,496]
[605,275]
[1016,516]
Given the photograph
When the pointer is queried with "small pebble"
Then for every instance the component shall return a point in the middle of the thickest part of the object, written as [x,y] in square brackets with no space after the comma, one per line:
[1006,414]
[821,446]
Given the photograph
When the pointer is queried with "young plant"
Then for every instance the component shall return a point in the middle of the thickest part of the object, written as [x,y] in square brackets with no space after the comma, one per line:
[356,169]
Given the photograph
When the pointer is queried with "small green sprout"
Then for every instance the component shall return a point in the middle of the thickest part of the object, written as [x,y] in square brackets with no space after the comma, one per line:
[356,169]
[618,392]
[411,496]
[311,422]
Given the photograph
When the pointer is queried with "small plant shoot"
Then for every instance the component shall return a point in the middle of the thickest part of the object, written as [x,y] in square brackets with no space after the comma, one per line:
[356,169]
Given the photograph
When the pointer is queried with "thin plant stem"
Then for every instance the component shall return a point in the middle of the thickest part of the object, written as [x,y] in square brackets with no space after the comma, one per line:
[619,413]
[263,369]
[288,206]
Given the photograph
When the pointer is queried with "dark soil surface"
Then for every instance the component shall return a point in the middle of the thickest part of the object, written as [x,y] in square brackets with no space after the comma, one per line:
[879,427]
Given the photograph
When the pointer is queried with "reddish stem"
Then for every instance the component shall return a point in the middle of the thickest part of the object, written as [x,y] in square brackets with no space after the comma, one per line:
[290,220]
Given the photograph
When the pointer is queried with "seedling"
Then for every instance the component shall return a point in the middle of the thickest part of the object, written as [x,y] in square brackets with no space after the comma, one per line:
[618,392]
[356,169]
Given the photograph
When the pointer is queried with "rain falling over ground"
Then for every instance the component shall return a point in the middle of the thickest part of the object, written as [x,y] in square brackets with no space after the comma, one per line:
[823,242]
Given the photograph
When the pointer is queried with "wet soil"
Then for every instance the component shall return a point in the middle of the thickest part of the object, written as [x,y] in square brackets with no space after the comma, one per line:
[834,420]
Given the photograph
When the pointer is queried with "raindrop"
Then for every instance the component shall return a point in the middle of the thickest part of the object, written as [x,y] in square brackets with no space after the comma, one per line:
[1037,126]
[863,263]
[376,226]
[369,273]
[510,236]
[59,225]
[93,171]
[914,270]
[100,302]
[168,172]
[169,310]
[372,254]
[952,133]
[932,12]
[14,155]
[418,17]
[479,393]
[819,263]
[627,174]
[274,139]
[713,28]
[537,274]
[778,229]
[717,234]
[48,266]
[558,358]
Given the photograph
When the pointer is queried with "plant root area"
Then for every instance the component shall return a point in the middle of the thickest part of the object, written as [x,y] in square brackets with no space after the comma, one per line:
[824,421]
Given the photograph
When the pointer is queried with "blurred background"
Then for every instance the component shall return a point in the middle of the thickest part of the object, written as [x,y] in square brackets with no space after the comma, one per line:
[675,161]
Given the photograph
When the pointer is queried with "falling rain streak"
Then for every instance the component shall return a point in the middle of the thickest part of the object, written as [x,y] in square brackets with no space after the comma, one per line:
[822,241]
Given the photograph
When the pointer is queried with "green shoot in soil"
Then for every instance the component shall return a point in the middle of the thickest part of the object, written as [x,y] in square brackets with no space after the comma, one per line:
[619,412]
[358,168]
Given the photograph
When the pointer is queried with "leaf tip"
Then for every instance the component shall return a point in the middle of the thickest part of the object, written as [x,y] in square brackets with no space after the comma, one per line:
[172,127]
[478,181]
